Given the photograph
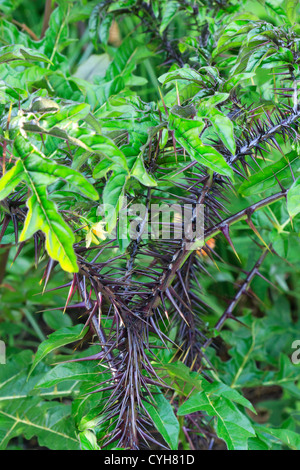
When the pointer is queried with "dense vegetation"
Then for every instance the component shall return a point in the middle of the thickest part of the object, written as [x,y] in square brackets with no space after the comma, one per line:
[117,341]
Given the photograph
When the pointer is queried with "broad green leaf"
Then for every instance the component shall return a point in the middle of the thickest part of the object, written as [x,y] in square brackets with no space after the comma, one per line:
[56,320]
[66,115]
[183,379]
[231,425]
[208,102]
[126,58]
[106,147]
[11,179]
[56,340]
[164,420]
[23,411]
[43,105]
[220,389]
[49,421]
[43,215]
[69,371]
[236,79]
[102,168]
[258,56]
[104,28]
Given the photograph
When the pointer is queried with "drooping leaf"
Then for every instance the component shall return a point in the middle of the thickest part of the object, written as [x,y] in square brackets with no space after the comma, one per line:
[57,339]
[38,172]
[186,132]
[164,419]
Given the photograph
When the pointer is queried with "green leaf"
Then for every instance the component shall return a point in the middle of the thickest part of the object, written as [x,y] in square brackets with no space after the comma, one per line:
[88,440]
[224,128]
[291,9]
[265,179]
[102,168]
[69,371]
[49,421]
[288,437]
[220,389]
[56,320]
[43,215]
[113,198]
[183,379]
[231,425]
[164,420]
[169,11]
[20,53]
[23,411]
[236,79]
[56,340]
[139,172]
[186,132]
[11,179]
[258,56]
[38,172]
[104,28]
[185,73]
[293,198]
[106,147]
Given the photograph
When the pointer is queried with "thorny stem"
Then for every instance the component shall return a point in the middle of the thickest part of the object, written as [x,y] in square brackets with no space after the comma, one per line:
[183,253]
[246,149]
[98,328]
[242,290]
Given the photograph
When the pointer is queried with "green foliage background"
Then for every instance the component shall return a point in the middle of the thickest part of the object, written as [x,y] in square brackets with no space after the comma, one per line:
[67,99]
